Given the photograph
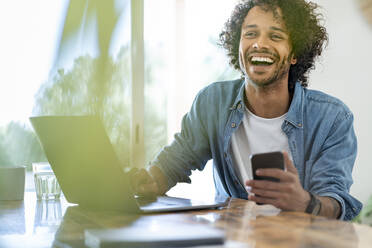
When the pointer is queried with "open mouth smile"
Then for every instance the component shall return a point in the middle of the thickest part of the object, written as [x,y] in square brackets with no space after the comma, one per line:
[258,60]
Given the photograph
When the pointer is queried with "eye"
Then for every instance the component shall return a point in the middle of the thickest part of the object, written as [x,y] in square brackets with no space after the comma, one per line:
[250,34]
[277,37]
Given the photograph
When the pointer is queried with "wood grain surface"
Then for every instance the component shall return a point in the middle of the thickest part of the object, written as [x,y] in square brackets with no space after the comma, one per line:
[59,224]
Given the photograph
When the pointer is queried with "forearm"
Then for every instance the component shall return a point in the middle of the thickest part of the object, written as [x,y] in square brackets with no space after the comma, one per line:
[329,207]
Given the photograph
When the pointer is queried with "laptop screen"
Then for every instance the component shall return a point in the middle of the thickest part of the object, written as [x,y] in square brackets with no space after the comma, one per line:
[84,161]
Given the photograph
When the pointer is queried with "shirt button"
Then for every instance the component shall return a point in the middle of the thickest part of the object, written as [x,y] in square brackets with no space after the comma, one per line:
[299,124]
[233,125]
[239,106]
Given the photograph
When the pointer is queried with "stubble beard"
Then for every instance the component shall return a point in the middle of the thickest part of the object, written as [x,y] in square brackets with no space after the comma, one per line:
[280,72]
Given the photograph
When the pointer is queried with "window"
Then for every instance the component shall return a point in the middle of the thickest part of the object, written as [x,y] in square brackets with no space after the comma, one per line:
[27,45]
[179,56]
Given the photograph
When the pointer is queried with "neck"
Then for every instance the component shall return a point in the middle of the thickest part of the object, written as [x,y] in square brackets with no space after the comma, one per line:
[267,101]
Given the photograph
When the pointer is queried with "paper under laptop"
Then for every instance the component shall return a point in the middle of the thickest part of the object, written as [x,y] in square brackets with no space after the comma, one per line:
[89,172]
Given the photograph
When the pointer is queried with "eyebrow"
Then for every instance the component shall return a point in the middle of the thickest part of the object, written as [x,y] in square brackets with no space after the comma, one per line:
[278,29]
[250,26]
[272,27]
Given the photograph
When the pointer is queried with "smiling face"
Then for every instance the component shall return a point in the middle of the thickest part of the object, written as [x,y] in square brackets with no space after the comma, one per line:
[265,51]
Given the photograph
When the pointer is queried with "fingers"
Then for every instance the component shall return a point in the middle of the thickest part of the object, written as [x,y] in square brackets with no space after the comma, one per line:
[264,200]
[264,184]
[276,173]
[266,193]
[282,175]
[147,190]
[284,194]
[143,184]
[143,177]
[278,199]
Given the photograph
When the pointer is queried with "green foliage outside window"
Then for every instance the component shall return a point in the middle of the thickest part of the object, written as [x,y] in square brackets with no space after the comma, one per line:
[365,216]
[19,146]
[75,92]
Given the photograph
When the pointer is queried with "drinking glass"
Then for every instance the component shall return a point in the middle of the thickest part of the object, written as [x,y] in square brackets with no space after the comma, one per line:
[46,184]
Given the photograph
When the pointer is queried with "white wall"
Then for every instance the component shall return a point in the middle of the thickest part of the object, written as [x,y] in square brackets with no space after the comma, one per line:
[345,71]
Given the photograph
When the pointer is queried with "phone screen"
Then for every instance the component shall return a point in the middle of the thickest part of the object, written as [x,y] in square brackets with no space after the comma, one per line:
[267,160]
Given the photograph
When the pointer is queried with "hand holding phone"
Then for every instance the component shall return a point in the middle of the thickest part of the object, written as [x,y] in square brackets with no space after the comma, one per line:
[292,197]
[266,161]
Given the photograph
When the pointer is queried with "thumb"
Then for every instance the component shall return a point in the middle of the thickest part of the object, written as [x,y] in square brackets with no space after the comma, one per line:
[288,163]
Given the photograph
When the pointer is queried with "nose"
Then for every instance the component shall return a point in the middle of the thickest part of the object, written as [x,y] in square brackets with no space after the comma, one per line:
[261,42]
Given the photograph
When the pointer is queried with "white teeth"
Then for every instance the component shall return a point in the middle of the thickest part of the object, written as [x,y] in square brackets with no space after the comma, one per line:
[262,59]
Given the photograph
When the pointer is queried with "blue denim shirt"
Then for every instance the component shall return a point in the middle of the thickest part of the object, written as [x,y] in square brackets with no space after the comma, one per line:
[320,135]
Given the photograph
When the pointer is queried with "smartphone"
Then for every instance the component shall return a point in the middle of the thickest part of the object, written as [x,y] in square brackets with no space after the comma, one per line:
[265,161]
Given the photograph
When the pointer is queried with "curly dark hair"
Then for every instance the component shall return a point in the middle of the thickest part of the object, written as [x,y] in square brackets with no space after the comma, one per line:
[307,35]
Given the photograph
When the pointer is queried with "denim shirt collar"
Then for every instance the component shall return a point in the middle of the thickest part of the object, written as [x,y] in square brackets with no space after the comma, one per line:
[295,112]
[240,98]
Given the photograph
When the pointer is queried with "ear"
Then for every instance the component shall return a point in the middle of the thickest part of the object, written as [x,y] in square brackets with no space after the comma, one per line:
[293,60]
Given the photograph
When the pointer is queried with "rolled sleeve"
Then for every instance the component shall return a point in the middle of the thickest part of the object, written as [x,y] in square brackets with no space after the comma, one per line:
[190,148]
[331,172]
[339,199]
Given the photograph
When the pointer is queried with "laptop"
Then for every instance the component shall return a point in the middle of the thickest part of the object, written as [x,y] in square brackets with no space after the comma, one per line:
[89,172]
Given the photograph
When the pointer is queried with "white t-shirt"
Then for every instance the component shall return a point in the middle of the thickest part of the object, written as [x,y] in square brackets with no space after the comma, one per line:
[256,135]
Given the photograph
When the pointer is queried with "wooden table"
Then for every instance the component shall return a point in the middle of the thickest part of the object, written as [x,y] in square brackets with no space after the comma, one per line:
[32,223]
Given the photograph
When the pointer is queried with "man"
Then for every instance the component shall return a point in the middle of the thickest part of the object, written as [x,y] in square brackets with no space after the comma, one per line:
[274,44]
